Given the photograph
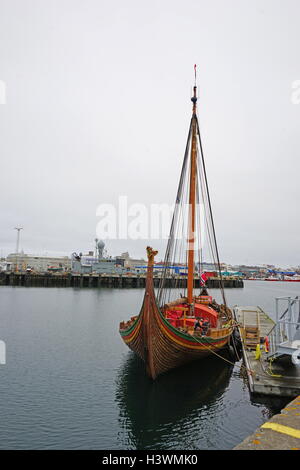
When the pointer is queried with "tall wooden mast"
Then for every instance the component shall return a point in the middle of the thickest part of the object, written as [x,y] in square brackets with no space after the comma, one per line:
[192,202]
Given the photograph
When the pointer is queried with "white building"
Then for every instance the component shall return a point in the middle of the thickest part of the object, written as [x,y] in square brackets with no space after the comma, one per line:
[130,262]
[23,262]
[5,266]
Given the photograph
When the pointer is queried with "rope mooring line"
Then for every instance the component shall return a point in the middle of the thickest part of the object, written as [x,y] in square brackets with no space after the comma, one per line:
[221,357]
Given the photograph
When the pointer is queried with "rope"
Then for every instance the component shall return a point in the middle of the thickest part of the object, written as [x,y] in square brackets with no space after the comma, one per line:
[170,252]
[242,366]
[276,376]
[210,213]
[221,357]
[270,369]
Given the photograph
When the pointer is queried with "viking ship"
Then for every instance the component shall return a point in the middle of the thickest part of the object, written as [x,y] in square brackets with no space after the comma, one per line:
[170,332]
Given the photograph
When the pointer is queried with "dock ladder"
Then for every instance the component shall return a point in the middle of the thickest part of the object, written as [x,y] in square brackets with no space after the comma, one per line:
[251,328]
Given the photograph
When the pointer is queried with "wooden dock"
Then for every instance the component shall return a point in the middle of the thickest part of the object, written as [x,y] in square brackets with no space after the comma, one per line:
[281,377]
[103,280]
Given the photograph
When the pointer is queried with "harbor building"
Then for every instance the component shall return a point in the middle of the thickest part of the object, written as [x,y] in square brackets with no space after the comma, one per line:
[27,262]
[130,263]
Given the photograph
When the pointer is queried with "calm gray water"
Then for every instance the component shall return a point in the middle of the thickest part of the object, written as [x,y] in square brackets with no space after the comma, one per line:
[71,383]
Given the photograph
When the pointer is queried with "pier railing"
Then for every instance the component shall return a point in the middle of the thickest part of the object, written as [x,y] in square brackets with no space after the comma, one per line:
[286,331]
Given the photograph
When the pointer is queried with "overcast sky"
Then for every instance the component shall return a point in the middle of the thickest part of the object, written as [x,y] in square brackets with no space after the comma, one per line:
[98,105]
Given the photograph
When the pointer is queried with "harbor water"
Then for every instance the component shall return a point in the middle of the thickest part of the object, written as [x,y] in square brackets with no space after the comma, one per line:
[69,381]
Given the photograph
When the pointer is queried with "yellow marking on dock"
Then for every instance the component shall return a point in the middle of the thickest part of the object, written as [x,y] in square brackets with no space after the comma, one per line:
[283,429]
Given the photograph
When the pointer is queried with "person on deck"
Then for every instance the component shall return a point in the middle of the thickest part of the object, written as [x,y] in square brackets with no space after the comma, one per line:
[205,327]
[198,325]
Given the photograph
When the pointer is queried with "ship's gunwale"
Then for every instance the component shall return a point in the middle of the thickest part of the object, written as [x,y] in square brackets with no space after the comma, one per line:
[181,334]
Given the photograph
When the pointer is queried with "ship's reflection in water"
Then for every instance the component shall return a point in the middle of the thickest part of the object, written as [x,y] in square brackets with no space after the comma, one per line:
[189,408]
[178,409]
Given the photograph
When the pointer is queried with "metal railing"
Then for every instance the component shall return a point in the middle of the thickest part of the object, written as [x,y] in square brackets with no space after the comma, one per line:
[287,327]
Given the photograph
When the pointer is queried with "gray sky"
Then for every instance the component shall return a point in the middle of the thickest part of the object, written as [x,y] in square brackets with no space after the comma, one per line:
[98,105]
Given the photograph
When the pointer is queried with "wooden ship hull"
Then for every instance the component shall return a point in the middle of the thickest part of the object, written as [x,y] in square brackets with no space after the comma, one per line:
[162,345]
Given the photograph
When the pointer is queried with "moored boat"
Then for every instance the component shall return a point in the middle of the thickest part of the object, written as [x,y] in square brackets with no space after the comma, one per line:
[169,333]
[283,279]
